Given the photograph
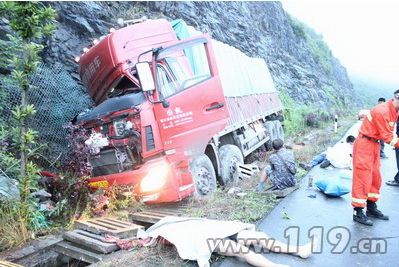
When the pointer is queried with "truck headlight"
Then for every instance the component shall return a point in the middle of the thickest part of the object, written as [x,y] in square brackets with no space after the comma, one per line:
[155,179]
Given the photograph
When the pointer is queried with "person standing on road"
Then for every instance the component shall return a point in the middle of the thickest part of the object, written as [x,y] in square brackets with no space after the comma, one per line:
[382,154]
[281,170]
[366,184]
[395,181]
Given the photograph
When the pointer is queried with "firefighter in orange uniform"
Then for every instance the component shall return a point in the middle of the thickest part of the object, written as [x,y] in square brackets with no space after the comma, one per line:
[366,183]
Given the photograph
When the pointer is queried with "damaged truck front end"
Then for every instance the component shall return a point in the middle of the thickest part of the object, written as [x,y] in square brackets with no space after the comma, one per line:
[144,130]
[120,131]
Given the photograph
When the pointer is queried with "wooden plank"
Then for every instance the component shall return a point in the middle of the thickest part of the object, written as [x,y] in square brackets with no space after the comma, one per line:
[93,228]
[155,213]
[163,213]
[98,225]
[90,240]
[279,193]
[149,213]
[118,221]
[179,210]
[109,226]
[78,253]
[166,212]
[138,217]
[112,224]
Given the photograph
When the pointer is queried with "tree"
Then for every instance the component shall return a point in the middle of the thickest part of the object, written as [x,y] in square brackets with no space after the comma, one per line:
[30,21]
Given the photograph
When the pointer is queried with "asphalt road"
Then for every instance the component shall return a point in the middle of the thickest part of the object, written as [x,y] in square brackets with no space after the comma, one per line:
[344,242]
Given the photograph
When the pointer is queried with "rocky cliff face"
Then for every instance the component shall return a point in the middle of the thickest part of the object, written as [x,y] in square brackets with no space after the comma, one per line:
[259,29]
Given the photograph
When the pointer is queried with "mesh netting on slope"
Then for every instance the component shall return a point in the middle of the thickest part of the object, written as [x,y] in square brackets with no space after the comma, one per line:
[57,99]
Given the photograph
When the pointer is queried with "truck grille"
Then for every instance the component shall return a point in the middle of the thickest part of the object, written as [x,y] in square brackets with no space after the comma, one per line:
[105,163]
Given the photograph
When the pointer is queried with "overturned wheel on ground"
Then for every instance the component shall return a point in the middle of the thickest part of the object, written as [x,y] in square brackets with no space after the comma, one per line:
[204,176]
[229,155]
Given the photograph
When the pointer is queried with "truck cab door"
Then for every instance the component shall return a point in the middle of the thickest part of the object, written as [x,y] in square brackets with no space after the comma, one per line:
[187,78]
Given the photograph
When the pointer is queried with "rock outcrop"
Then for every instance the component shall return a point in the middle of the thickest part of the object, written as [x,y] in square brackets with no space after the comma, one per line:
[259,29]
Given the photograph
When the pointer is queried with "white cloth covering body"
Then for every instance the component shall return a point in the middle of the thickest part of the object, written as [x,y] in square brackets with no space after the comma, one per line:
[194,238]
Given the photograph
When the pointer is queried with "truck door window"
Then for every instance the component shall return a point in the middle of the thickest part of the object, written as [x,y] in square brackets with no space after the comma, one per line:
[165,83]
[188,63]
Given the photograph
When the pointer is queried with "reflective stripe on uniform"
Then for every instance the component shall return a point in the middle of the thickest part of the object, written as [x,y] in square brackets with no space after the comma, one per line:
[394,141]
[358,200]
[369,117]
[374,195]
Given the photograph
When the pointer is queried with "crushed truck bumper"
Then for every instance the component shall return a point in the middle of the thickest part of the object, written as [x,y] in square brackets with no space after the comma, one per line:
[156,181]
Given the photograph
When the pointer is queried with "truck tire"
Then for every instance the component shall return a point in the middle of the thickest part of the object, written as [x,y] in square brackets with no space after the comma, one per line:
[270,130]
[279,130]
[204,176]
[229,155]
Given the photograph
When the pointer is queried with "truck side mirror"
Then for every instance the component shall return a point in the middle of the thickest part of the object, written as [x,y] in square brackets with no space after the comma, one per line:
[145,76]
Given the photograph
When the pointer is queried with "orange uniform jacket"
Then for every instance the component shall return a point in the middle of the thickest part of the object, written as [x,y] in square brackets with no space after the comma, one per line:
[378,125]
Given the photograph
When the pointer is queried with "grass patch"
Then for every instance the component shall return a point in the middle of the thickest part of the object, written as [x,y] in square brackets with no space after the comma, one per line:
[19,224]
[13,229]
[222,206]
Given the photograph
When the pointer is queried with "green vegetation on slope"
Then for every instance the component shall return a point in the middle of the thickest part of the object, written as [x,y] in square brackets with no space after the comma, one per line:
[300,117]
[320,51]
[29,23]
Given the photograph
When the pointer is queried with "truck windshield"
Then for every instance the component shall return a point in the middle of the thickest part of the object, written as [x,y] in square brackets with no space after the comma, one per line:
[165,84]
[121,86]
[188,67]
[179,47]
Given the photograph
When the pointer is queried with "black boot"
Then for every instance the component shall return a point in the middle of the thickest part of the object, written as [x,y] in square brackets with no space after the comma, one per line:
[325,164]
[305,167]
[372,211]
[358,216]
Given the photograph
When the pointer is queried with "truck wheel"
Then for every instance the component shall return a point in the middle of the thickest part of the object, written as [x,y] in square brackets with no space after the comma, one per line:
[279,130]
[204,176]
[270,130]
[229,155]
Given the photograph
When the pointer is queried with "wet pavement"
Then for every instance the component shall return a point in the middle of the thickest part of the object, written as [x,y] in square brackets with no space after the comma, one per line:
[343,242]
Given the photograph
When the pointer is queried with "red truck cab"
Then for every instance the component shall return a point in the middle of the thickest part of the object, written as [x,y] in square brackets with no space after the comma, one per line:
[157,108]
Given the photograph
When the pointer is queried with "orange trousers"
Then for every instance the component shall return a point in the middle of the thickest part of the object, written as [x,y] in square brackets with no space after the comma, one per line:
[366,182]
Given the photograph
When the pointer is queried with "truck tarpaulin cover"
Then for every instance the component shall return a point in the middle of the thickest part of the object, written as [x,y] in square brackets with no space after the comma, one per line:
[231,62]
